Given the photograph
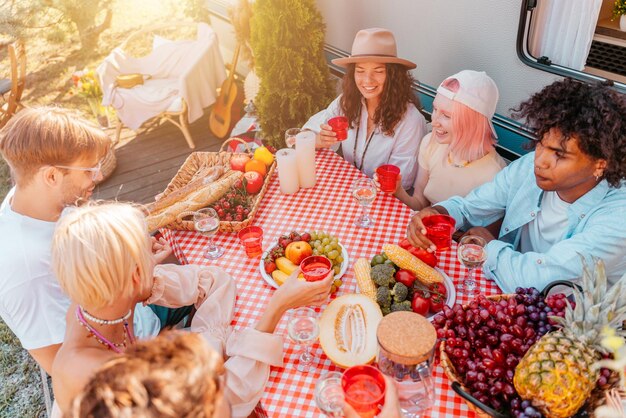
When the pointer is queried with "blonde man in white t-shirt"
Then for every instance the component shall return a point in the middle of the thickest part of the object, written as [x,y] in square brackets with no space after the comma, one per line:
[459,154]
[54,156]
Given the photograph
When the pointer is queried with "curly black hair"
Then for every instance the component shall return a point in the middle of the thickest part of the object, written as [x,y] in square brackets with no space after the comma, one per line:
[397,92]
[594,114]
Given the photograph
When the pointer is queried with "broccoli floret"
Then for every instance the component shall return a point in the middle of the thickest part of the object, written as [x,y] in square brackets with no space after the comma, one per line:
[402,306]
[399,292]
[392,281]
[383,297]
[386,310]
[381,274]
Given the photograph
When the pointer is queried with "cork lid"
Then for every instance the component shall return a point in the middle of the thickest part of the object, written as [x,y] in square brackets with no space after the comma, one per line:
[407,337]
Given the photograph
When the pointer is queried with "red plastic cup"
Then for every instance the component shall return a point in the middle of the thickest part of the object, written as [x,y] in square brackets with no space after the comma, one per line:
[251,238]
[388,177]
[364,389]
[315,267]
[340,127]
[439,229]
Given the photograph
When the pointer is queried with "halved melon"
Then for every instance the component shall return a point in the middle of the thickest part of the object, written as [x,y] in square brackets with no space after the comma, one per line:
[348,330]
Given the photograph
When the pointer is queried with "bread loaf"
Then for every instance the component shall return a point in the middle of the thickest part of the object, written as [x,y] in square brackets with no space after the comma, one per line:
[204,176]
[202,197]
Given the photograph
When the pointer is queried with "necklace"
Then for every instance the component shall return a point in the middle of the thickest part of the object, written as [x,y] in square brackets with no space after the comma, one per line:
[458,165]
[367,145]
[115,347]
[105,321]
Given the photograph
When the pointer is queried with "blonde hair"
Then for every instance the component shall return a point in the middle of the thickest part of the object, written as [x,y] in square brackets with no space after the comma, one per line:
[96,250]
[49,135]
[174,375]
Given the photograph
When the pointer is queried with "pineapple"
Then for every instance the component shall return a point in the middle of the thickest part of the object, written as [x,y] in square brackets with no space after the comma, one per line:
[556,374]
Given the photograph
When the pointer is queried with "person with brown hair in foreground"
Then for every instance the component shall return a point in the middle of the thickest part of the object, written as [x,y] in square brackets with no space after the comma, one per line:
[102,257]
[174,375]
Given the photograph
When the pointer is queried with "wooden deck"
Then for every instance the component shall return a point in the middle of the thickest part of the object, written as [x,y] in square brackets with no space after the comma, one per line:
[147,161]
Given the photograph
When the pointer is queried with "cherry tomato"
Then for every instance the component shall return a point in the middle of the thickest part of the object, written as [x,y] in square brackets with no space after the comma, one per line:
[438,296]
[405,277]
[420,304]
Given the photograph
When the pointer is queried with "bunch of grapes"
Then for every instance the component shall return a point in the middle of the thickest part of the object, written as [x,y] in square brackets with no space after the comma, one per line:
[234,205]
[327,245]
[486,339]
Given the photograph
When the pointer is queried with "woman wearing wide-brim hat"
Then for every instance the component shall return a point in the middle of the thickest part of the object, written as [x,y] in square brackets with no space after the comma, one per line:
[385,125]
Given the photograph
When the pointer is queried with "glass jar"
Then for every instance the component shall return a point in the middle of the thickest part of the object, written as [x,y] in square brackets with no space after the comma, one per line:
[406,347]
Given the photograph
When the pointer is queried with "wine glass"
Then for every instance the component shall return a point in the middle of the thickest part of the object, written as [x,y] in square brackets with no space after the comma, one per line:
[471,252]
[329,395]
[364,191]
[303,329]
[290,136]
[207,223]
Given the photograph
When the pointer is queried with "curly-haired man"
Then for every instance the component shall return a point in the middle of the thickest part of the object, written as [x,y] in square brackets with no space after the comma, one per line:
[564,199]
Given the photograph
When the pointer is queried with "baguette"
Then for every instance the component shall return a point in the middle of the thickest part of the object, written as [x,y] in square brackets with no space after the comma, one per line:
[197,199]
[204,176]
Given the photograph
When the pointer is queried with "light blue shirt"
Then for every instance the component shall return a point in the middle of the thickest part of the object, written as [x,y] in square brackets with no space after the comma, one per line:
[596,227]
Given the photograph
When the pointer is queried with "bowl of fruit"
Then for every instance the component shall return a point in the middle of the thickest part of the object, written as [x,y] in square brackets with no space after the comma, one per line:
[282,258]
[531,353]
[404,278]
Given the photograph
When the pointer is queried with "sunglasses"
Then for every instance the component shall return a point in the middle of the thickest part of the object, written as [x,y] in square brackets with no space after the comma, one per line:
[95,171]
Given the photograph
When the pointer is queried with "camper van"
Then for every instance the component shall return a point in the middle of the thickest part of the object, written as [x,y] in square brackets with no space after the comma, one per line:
[523,45]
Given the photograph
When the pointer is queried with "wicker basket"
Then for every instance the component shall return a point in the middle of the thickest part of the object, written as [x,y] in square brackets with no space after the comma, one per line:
[200,159]
[109,162]
[596,398]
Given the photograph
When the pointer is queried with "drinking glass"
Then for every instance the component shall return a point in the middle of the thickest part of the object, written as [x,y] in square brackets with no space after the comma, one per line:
[471,252]
[251,239]
[339,125]
[290,136]
[303,329]
[364,389]
[388,177]
[329,395]
[207,223]
[439,229]
[364,191]
[315,268]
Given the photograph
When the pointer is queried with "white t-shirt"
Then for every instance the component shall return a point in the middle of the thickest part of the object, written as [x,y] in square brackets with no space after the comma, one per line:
[446,180]
[32,303]
[400,149]
[548,228]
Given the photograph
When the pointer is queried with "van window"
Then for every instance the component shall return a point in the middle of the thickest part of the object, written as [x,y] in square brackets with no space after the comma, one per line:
[578,39]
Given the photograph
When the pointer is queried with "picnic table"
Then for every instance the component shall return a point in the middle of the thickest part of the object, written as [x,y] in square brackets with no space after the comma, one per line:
[329,206]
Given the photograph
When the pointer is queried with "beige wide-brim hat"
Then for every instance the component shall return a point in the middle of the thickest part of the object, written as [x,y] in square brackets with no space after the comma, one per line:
[374,45]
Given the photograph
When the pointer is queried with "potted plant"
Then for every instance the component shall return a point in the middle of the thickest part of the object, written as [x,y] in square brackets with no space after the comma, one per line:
[619,10]
[287,38]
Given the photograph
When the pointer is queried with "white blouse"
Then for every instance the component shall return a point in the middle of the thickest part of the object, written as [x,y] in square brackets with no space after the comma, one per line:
[401,149]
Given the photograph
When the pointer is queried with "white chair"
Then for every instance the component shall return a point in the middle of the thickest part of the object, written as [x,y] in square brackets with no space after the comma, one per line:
[181,78]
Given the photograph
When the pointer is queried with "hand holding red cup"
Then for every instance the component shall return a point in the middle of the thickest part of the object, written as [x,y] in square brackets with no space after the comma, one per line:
[339,125]
[388,177]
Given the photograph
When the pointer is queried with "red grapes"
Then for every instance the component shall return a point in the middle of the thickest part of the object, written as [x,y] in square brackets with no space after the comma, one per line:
[486,339]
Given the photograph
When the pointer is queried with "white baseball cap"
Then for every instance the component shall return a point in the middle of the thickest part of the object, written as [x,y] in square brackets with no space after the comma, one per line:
[476,90]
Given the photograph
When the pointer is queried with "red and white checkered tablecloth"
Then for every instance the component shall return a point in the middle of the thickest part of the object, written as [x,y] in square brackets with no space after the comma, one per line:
[328,206]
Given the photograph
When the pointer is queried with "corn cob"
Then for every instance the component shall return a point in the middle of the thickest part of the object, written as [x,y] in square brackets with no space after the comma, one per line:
[405,260]
[364,281]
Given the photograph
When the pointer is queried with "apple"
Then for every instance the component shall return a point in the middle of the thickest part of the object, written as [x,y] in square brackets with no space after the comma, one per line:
[238,162]
[254,182]
[298,251]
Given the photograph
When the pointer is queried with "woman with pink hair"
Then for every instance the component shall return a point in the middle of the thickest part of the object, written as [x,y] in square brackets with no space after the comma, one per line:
[459,154]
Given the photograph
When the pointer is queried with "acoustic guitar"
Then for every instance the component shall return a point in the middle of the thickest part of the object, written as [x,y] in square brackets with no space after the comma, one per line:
[227,109]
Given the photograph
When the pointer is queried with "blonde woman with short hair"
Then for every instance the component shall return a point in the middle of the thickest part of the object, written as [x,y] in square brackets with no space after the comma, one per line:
[101,254]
